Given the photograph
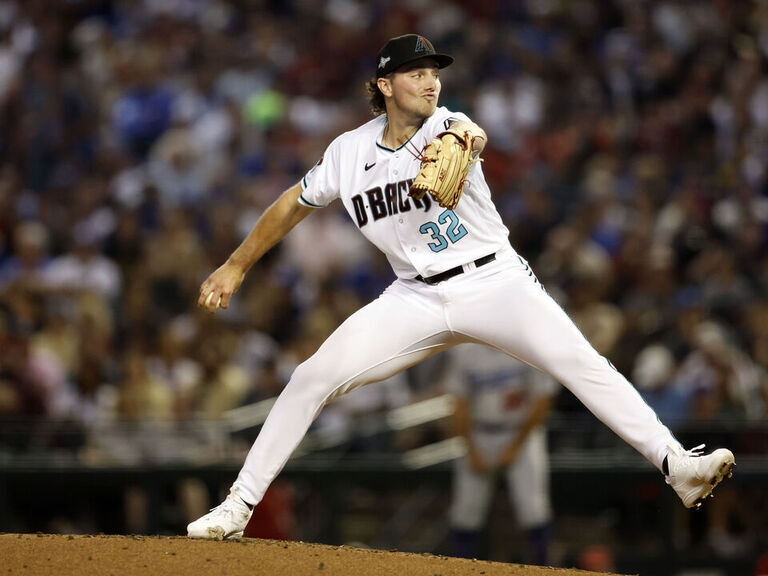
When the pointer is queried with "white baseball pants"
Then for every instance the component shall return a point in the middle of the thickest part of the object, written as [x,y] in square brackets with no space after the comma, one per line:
[527,482]
[500,304]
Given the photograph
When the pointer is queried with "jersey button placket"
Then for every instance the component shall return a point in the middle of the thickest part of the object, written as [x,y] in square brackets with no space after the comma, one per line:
[393,172]
[403,238]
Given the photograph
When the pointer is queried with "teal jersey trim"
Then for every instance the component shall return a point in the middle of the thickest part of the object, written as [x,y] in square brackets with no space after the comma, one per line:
[308,203]
[403,144]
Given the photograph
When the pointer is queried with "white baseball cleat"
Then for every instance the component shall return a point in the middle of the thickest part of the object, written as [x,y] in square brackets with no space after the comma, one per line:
[225,522]
[694,476]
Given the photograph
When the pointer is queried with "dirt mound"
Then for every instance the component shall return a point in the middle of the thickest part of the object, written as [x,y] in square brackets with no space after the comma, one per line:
[43,554]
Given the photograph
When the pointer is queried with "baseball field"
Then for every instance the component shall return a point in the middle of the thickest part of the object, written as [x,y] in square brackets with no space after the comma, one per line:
[44,554]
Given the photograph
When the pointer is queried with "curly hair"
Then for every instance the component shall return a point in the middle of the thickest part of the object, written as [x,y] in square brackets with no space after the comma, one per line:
[375,98]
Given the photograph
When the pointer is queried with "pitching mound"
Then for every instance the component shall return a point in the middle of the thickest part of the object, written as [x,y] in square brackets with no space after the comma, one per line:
[42,554]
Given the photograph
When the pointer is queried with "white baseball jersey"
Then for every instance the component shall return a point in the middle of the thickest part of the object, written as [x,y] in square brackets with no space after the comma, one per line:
[501,390]
[418,236]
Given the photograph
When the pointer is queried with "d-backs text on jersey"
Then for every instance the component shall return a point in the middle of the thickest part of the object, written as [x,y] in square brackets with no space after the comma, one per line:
[393,199]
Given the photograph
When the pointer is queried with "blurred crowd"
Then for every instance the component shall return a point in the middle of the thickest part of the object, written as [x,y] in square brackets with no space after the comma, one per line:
[141,139]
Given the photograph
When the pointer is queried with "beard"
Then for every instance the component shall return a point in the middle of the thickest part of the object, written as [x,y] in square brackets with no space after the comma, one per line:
[429,107]
[419,108]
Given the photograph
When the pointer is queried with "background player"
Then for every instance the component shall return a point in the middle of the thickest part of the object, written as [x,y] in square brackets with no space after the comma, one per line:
[458,280]
[501,407]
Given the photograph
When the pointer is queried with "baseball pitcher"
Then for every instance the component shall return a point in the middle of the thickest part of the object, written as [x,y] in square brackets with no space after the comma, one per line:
[412,181]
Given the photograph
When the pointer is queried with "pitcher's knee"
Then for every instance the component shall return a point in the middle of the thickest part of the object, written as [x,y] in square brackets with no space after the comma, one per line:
[575,363]
[317,386]
[306,386]
[565,359]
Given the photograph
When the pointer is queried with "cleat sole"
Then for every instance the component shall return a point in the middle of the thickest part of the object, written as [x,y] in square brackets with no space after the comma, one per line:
[725,471]
[215,533]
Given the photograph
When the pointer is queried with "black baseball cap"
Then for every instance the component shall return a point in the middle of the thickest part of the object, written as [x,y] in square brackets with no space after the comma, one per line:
[407,48]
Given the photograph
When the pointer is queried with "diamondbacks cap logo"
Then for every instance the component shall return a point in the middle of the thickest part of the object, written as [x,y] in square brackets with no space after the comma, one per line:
[423,45]
[383,61]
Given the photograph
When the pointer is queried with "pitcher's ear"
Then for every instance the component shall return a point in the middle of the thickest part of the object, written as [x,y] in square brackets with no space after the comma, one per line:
[385,85]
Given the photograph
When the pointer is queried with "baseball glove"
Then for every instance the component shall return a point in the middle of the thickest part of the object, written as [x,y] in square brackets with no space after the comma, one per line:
[445,163]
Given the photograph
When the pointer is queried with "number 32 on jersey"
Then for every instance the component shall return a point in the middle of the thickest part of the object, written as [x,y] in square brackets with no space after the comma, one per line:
[449,226]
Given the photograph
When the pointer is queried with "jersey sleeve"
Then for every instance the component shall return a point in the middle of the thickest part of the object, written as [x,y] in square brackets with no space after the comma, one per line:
[321,185]
[441,120]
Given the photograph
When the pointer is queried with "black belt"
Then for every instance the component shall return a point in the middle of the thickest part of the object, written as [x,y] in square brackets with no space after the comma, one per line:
[450,273]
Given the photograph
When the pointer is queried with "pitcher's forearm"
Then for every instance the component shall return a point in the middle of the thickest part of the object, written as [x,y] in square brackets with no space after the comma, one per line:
[273,225]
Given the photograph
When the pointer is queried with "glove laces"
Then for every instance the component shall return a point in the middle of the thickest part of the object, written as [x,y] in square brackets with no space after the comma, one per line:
[414,151]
